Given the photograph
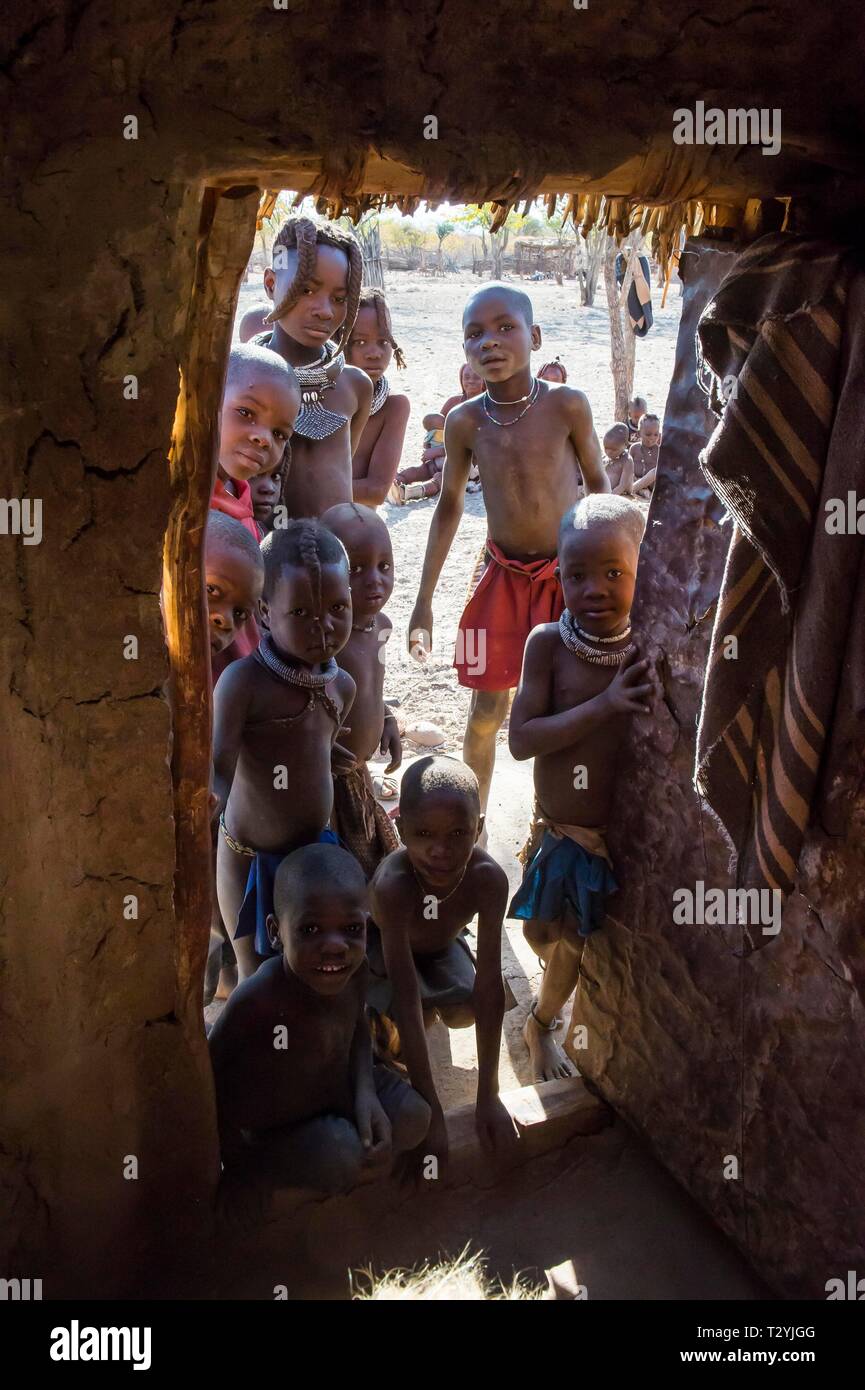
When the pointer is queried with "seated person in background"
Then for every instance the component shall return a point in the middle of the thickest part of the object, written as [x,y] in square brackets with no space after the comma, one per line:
[299,1101]
[581,681]
[266,492]
[644,456]
[253,322]
[620,469]
[363,826]
[554,371]
[423,897]
[636,409]
[424,480]
[372,346]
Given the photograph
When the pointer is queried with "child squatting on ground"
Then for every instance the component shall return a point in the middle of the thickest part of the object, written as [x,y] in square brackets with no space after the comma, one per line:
[299,1101]
[362,825]
[581,680]
[532,443]
[277,714]
[423,897]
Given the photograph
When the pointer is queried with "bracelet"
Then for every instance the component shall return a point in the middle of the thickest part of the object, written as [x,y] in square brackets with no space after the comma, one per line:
[390,716]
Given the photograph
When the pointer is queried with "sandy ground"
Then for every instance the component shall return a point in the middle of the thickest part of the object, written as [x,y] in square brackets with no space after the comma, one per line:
[427,314]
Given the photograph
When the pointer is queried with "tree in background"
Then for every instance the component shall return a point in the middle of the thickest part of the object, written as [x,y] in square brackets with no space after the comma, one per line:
[480,216]
[564,232]
[593,258]
[369,236]
[623,343]
[443,231]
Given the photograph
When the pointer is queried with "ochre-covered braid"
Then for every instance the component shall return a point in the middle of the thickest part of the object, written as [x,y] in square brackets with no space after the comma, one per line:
[373,297]
[303,235]
[308,546]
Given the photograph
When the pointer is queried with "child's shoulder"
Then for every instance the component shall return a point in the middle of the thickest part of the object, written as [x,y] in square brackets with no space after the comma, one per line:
[393,879]
[253,1000]
[488,878]
[464,412]
[542,641]
[238,676]
[570,398]
[397,404]
[358,379]
[383,623]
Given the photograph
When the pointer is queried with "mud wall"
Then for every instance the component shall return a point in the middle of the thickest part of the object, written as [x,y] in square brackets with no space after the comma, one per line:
[714,1056]
[113,120]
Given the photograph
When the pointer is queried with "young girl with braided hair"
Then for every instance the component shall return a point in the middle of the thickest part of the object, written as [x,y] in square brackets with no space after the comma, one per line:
[314,284]
[371,347]
[277,714]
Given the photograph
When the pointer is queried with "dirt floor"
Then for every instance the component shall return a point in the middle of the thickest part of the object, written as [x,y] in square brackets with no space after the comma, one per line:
[427,314]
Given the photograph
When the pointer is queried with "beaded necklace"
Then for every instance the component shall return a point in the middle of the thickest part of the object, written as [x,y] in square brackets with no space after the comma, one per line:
[313,420]
[380,393]
[505,424]
[295,675]
[568,632]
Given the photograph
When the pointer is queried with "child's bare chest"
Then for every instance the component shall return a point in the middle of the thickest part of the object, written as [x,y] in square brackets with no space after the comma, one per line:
[280,714]
[575,681]
[434,922]
[304,1060]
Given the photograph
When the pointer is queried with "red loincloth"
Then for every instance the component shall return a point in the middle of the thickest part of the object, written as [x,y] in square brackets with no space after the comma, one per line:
[512,597]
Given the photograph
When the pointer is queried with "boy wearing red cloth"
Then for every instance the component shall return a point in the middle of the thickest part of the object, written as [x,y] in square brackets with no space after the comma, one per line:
[531,443]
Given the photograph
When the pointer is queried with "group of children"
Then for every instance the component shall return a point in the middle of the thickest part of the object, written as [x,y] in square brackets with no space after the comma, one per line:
[347,929]
[631,451]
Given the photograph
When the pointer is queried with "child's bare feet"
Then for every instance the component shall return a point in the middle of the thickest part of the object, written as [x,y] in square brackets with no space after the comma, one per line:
[549,1062]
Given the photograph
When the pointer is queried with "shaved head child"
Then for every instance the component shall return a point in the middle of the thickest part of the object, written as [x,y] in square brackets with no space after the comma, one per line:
[582,680]
[299,1101]
[619,467]
[532,443]
[362,825]
[314,285]
[423,898]
[276,718]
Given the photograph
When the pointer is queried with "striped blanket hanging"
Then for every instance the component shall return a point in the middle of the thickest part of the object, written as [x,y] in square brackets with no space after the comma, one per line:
[779,336]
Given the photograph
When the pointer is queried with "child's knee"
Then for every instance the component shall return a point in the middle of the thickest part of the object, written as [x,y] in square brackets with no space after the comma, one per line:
[541,935]
[457,1015]
[488,711]
[334,1145]
[410,1124]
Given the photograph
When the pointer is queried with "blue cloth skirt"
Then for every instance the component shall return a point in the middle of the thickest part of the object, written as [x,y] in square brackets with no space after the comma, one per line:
[257,902]
[564,877]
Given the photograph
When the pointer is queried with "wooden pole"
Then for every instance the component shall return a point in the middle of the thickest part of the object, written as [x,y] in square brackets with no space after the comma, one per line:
[225,238]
